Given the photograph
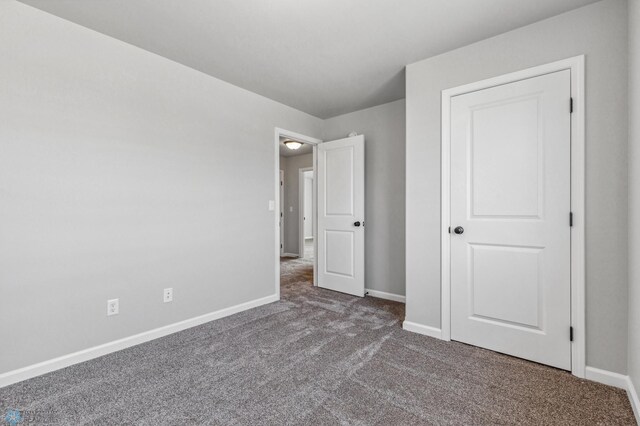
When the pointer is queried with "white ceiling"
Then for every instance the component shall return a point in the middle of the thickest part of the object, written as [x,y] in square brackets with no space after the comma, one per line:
[324,57]
[286,152]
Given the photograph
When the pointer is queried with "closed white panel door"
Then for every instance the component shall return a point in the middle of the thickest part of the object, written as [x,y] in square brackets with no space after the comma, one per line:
[340,176]
[510,231]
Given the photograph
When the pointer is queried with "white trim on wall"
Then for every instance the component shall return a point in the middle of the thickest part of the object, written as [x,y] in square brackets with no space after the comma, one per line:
[606,377]
[576,66]
[633,398]
[40,368]
[301,212]
[384,295]
[422,329]
[281,213]
[619,381]
[300,138]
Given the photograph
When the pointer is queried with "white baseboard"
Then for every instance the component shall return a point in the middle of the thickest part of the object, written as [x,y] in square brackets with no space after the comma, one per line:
[619,381]
[44,367]
[606,377]
[290,255]
[633,398]
[384,295]
[422,329]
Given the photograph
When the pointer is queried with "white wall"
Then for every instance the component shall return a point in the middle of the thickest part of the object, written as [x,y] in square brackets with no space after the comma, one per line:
[600,32]
[122,173]
[383,128]
[291,167]
[634,192]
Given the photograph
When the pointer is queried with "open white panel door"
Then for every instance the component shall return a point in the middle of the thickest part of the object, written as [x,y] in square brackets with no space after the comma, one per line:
[340,180]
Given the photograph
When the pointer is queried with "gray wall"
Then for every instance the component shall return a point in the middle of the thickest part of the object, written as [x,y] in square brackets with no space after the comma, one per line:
[122,173]
[600,32]
[291,167]
[634,192]
[383,128]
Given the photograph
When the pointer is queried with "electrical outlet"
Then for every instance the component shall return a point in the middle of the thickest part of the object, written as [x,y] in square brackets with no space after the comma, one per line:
[113,307]
[168,295]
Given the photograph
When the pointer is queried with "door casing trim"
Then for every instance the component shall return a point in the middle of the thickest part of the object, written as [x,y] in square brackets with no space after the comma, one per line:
[576,65]
[281,211]
[301,211]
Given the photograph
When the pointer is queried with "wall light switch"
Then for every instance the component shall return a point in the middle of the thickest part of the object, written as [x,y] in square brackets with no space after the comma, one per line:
[272,205]
[113,307]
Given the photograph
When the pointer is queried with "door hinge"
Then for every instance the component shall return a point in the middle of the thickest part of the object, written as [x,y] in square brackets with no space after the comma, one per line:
[281,183]
[571,334]
[449,229]
[571,105]
[570,218]
[280,245]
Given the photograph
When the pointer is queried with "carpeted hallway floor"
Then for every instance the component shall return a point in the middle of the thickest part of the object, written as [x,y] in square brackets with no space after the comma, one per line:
[314,358]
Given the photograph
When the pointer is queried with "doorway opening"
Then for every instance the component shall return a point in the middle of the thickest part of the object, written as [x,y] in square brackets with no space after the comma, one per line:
[335,238]
[296,163]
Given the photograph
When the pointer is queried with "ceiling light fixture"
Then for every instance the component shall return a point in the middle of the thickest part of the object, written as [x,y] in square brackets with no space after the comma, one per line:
[292,144]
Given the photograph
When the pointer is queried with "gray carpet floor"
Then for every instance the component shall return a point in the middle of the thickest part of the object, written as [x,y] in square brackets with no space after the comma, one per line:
[315,358]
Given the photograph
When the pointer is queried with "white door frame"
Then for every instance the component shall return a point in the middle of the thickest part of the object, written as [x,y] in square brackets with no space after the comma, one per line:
[281,212]
[576,66]
[301,209]
[304,139]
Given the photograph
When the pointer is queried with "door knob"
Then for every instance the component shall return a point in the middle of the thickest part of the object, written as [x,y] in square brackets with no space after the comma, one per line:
[356,223]
[459,230]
